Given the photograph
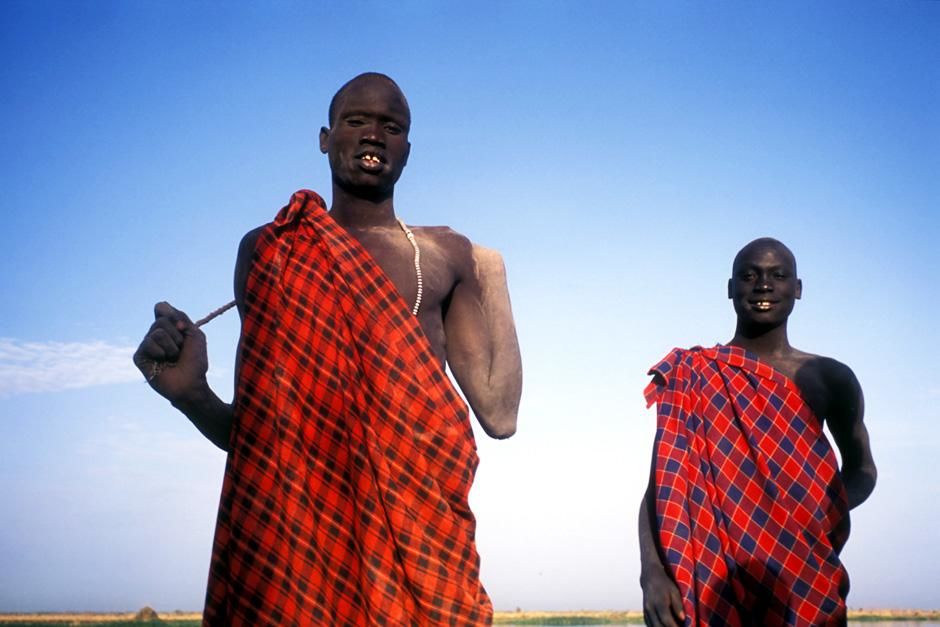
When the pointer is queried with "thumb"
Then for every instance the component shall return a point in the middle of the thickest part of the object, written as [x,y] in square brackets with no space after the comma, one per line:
[194,350]
[195,339]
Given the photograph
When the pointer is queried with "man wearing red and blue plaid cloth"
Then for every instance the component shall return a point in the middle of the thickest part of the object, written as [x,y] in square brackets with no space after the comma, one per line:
[350,453]
[746,509]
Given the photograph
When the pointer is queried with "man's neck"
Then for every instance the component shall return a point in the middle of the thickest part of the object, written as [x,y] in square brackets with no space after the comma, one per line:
[356,211]
[771,342]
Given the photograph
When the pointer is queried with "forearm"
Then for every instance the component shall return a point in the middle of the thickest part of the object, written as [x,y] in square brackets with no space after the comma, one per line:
[482,347]
[858,471]
[504,372]
[212,416]
[650,562]
[504,379]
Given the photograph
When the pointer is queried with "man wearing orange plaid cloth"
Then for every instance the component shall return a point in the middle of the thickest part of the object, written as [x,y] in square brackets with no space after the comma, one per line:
[350,453]
[746,509]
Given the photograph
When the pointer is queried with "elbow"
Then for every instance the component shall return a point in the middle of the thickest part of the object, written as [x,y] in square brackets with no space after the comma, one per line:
[498,419]
[502,433]
[860,483]
[499,429]
[872,474]
[865,472]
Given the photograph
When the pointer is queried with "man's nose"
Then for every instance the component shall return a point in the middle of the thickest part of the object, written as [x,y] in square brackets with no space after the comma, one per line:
[764,284]
[373,134]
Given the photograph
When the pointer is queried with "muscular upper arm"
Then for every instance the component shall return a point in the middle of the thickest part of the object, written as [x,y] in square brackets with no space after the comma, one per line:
[845,415]
[845,406]
[246,249]
[482,348]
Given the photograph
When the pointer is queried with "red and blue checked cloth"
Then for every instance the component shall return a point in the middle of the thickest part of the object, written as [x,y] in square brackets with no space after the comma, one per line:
[750,507]
[345,494]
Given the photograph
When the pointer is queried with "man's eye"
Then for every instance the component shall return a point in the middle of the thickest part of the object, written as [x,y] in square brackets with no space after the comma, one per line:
[393,129]
[354,122]
[780,275]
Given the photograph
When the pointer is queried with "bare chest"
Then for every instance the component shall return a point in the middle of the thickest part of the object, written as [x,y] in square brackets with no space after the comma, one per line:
[397,257]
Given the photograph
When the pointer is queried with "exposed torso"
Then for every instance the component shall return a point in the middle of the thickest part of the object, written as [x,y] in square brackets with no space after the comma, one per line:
[442,267]
[446,259]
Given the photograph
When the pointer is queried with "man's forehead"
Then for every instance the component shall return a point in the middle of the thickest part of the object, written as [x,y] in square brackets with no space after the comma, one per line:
[764,251]
[372,92]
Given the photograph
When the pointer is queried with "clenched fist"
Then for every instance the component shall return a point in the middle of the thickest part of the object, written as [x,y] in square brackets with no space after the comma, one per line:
[173,356]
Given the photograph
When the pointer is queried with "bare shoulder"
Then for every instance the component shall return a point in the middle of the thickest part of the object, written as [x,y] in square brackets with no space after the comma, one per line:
[445,238]
[464,256]
[834,374]
[247,244]
[246,248]
[838,375]
[448,244]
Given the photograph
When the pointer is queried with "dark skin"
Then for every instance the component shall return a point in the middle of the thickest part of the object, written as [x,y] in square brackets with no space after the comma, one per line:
[465,311]
[764,287]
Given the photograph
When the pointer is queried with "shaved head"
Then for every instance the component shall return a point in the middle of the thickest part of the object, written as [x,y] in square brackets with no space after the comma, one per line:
[362,78]
[763,243]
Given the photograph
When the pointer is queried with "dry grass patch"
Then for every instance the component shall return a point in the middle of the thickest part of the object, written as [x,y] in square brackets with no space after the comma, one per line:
[567,618]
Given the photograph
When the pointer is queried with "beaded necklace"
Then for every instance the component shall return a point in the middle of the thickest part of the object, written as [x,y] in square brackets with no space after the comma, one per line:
[414,244]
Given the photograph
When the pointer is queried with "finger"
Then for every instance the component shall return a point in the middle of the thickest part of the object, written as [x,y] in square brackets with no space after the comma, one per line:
[653,614]
[148,351]
[141,359]
[650,618]
[666,620]
[675,604]
[171,348]
[167,326]
[194,347]
[664,616]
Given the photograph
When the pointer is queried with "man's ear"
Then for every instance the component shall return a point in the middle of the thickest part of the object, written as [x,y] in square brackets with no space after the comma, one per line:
[407,154]
[729,287]
[799,289]
[324,139]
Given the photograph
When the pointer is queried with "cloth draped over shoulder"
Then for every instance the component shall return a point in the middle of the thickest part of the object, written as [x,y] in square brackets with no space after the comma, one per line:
[344,500]
[750,508]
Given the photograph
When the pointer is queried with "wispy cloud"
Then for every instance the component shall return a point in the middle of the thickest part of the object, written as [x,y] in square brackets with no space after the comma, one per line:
[52,366]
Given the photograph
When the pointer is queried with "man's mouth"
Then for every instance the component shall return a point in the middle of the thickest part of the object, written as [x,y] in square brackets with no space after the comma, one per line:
[370,160]
[762,305]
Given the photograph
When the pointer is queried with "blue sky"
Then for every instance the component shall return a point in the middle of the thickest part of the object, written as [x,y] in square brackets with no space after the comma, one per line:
[618,154]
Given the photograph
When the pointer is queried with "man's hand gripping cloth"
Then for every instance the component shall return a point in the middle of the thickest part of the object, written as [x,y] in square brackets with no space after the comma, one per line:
[345,494]
[750,508]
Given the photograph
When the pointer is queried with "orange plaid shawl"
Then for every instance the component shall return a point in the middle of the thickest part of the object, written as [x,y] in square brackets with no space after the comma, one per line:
[345,495]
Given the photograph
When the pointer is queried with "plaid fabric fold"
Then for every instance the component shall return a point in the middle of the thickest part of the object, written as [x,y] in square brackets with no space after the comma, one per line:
[750,507]
[344,500]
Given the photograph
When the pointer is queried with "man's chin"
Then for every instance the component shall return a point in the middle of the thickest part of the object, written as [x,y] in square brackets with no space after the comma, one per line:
[366,186]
